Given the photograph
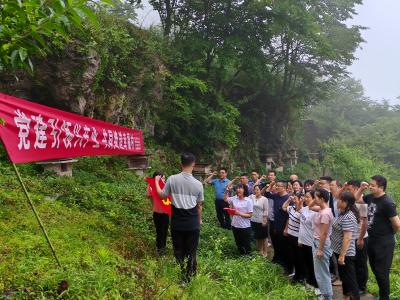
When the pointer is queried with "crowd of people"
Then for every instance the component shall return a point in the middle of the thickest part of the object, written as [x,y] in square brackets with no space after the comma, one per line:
[322,232]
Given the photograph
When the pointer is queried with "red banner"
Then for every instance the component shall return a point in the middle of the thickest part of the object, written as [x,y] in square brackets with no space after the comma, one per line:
[34,132]
[164,203]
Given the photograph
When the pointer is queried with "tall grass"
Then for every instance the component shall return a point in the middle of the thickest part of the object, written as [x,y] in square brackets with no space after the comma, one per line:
[101,226]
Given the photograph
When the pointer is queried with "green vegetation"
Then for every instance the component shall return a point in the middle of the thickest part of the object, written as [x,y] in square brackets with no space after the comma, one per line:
[30,28]
[212,77]
[101,226]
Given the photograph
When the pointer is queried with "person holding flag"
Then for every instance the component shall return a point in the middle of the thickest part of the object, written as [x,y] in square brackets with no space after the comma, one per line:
[161,212]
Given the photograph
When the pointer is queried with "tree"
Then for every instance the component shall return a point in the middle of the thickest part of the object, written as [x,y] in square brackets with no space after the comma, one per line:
[29,27]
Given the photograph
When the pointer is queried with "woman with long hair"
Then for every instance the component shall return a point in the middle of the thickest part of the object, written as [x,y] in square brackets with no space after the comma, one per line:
[241,226]
[160,217]
[344,231]
[322,244]
[259,220]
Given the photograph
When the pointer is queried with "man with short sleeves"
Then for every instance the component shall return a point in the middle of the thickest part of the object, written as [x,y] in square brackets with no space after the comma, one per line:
[220,185]
[187,197]
[383,223]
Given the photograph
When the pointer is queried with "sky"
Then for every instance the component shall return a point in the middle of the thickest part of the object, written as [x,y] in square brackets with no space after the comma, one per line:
[378,64]
[378,59]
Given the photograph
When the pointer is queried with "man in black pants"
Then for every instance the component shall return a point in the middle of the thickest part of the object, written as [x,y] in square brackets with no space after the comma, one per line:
[220,185]
[383,223]
[187,197]
[279,241]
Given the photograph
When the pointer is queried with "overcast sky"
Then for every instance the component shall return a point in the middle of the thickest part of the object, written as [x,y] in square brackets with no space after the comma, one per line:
[378,64]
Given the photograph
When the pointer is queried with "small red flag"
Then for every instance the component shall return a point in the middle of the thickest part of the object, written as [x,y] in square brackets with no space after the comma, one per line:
[164,203]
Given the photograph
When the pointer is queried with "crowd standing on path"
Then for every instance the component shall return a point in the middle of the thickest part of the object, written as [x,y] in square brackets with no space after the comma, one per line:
[322,232]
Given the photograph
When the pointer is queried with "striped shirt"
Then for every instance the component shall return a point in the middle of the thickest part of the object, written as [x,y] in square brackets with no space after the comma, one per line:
[306,226]
[244,205]
[294,221]
[344,222]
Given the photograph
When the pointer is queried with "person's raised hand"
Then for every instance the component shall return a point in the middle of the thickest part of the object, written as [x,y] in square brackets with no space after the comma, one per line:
[364,185]
[158,177]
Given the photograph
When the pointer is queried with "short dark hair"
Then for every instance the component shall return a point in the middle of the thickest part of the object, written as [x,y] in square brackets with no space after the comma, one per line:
[322,194]
[239,186]
[327,178]
[354,182]
[157,173]
[243,174]
[187,159]
[285,183]
[312,193]
[254,171]
[292,182]
[309,182]
[223,168]
[380,181]
[272,171]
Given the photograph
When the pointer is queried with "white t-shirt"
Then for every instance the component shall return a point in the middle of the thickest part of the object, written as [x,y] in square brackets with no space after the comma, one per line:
[244,206]
[260,209]
[306,226]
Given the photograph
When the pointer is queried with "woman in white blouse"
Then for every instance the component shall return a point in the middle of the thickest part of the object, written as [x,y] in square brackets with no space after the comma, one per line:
[241,226]
[259,220]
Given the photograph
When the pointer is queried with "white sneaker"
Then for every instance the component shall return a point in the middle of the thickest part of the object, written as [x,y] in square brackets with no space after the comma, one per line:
[317,292]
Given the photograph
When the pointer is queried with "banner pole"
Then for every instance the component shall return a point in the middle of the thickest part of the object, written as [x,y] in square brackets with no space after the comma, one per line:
[36,214]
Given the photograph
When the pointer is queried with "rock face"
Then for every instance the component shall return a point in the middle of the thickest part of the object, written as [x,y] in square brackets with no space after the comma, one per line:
[77,81]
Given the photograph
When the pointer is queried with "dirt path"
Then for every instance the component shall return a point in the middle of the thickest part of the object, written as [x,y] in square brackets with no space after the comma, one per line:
[337,290]
[337,294]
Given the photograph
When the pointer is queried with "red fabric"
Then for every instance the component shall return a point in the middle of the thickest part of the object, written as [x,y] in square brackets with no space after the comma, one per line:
[165,203]
[34,132]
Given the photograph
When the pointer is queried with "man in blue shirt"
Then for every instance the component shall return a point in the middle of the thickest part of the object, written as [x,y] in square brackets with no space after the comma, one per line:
[220,187]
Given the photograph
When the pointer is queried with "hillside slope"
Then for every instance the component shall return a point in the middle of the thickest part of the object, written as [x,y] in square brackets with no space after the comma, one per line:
[101,226]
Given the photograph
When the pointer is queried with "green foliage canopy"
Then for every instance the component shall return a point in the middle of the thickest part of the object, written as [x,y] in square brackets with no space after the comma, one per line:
[29,27]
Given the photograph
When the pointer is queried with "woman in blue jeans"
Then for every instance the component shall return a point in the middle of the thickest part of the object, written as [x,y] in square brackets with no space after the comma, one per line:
[322,244]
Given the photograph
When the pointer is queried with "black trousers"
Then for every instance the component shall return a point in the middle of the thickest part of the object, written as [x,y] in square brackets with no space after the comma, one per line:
[347,274]
[281,251]
[185,246]
[362,266]
[273,240]
[161,222]
[222,215]
[243,239]
[380,254]
[308,264]
[295,257]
